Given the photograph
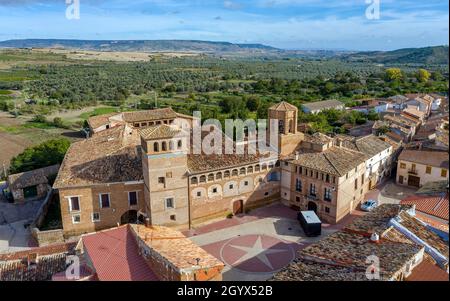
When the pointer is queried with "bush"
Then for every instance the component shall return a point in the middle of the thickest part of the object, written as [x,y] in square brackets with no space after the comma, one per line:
[39,119]
[230,215]
[57,121]
[45,154]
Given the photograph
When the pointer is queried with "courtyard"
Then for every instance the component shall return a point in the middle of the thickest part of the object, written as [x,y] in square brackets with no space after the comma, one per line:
[257,245]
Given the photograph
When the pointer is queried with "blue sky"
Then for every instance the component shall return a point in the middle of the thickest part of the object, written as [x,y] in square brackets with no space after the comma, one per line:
[289,24]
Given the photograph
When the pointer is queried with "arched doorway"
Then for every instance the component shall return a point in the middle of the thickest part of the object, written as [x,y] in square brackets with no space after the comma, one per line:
[312,207]
[238,207]
[129,217]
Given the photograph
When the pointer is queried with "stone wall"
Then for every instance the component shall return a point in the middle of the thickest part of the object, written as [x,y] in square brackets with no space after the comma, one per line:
[45,238]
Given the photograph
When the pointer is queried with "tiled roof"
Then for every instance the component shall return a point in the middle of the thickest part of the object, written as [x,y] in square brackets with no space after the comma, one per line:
[115,256]
[283,106]
[323,105]
[369,145]
[100,120]
[432,188]
[435,159]
[175,248]
[318,138]
[433,205]
[428,271]
[335,160]
[108,157]
[342,256]
[31,178]
[159,132]
[149,115]
[414,112]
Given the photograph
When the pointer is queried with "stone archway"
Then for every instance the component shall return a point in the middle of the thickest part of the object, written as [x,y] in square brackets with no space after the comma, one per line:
[129,217]
[312,207]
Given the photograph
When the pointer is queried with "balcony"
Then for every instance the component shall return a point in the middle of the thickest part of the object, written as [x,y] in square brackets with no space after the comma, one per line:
[312,197]
[412,171]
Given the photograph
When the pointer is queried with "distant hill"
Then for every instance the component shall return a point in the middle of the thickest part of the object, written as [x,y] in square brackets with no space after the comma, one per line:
[139,45]
[426,55]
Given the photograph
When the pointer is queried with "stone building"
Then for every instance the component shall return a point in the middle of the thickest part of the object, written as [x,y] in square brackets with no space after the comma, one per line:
[141,170]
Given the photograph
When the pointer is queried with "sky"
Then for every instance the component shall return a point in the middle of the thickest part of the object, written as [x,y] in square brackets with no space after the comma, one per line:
[287,24]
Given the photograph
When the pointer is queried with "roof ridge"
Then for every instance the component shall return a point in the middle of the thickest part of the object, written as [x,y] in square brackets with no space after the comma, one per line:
[335,168]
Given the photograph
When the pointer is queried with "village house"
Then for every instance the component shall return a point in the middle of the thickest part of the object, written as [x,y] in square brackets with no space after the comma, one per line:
[390,237]
[416,167]
[319,106]
[125,253]
[31,185]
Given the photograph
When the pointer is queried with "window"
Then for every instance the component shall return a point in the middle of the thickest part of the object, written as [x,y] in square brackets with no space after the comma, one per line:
[210,177]
[298,185]
[173,217]
[250,169]
[164,146]
[234,172]
[171,146]
[362,179]
[443,173]
[428,170]
[132,198]
[327,210]
[327,195]
[402,165]
[104,200]
[95,217]
[180,144]
[356,184]
[257,168]
[297,199]
[74,203]
[194,181]
[156,147]
[327,178]
[219,176]
[312,189]
[214,190]
[169,175]
[169,203]
[199,193]
[246,183]
[300,170]
[161,180]
[203,179]
[231,186]
[242,171]
[226,174]
[76,219]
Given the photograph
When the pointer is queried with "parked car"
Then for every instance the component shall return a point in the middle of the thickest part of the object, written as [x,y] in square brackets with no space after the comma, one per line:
[369,205]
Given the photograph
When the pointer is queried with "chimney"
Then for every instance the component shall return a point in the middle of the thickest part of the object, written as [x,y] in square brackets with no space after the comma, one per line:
[375,238]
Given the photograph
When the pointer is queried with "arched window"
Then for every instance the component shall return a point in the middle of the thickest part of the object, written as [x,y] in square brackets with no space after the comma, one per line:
[234,172]
[250,169]
[257,168]
[156,147]
[203,179]
[219,176]
[242,171]
[194,181]
[164,146]
[264,166]
[210,177]
[226,174]
[171,145]
[180,144]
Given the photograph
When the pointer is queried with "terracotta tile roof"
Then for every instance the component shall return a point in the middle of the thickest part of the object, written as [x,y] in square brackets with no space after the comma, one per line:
[323,105]
[433,205]
[433,222]
[175,248]
[431,188]
[335,160]
[283,106]
[413,112]
[101,120]
[115,256]
[41,251]
[149,115]
[33,177]
[342,255]
[110,156]
[428,271]
[369,145]
[318,138]
[159,132]
[435,159]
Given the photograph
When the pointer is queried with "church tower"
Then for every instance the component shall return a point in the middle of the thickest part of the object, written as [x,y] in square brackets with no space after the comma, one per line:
[287,119]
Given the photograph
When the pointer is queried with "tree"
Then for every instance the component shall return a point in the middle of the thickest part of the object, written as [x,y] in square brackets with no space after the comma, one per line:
[39,119]
[45,154]
[253,103]
[394,74]
[58,122]
[423,75]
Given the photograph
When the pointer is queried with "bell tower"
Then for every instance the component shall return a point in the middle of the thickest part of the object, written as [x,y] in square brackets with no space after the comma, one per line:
[287,118]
